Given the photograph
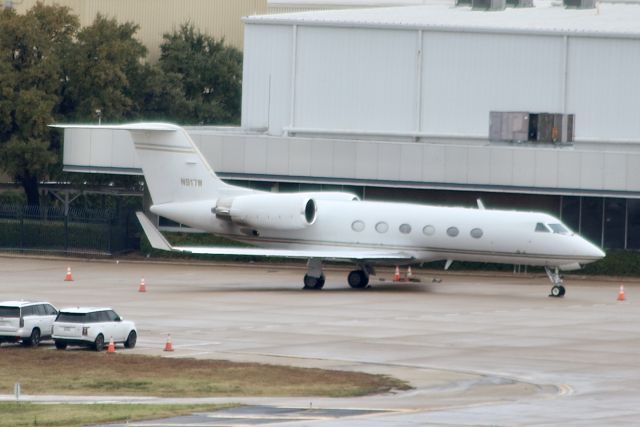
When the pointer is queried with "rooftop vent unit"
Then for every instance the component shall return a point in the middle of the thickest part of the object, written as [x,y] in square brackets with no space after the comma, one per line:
[579,4]
[488,4]
[518,126]
[520,3]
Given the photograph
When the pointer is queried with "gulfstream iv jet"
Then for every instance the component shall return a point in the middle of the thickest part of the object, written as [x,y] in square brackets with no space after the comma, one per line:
[320,226]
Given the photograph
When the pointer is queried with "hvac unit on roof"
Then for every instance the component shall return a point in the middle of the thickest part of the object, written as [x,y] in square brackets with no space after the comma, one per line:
[488,4]
[579,4]
[523,126]
[520,3]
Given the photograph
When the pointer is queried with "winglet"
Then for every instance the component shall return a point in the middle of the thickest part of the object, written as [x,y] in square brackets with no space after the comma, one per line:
[156,239]
[480,204]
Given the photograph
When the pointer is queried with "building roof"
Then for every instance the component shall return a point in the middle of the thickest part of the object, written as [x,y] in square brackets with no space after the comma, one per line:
[548,16]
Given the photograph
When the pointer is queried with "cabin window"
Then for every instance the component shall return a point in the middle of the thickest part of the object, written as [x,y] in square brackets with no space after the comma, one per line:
[476,233]
[541,228]
[558,228]
[357,225]
[405,228]
[429,230]
[453,231]
[382,227]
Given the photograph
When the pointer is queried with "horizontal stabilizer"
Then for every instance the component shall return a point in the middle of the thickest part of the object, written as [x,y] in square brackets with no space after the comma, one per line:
[151,127]
[158,241]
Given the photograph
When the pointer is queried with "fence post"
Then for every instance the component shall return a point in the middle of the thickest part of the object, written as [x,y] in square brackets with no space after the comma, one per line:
[20,213]
[110,222]
[66,233]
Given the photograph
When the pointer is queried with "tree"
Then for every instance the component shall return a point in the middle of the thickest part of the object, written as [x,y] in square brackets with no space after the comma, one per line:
[99,69]
[210,73]
[31,48]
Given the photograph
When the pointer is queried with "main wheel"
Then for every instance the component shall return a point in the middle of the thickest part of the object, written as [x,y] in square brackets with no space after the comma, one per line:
[357,279]
[98,344]
[131,340]
[311,282]
[60,345]
[33,340]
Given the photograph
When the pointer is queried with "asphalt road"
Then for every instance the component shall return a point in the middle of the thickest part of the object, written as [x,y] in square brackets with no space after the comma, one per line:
[479,350]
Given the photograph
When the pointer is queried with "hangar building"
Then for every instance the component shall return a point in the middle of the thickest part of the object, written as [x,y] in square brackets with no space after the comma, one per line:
[400,103]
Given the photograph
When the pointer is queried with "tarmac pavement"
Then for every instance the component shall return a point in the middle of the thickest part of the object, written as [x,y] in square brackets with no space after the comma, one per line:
[487,349]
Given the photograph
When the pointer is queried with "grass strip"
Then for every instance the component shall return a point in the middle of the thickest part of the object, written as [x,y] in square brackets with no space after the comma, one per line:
[44,370]
[35,414]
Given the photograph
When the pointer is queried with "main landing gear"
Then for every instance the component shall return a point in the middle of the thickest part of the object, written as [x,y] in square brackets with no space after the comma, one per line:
[557,290]
[314,279]
[357,279]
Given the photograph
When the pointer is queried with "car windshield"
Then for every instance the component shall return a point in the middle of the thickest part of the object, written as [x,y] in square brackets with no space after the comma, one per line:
[9,311]
[559,229]
[72,317]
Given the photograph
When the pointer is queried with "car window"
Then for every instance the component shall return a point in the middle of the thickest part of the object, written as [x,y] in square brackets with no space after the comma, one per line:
[103,316]
[9,312]
[93,317]
[39,309]
[71,317]
[112,315]
[29,310]
[50,310]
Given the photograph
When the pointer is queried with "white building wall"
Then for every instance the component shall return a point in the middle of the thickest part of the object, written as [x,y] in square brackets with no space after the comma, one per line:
[438,83]
[355,79]
[604,88]
[266,83]
[467,75]
[571,170]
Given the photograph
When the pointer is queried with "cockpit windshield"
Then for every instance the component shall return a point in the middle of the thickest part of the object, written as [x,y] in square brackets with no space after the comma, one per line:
[541,228]
[559,229]
[556,228]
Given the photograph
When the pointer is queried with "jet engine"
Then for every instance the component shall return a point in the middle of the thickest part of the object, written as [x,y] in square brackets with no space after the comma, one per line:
[268,211]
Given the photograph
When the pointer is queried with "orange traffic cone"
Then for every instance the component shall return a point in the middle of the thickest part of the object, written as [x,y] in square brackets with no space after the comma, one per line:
[396,275]
[112,346]
[142,287]
[621,293]
[68,277]
[168,346]
[409,274]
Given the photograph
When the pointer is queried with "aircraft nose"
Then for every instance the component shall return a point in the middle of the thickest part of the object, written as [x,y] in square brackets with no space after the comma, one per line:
[593,251]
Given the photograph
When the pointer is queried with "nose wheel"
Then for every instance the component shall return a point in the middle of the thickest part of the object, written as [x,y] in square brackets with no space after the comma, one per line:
[557,290]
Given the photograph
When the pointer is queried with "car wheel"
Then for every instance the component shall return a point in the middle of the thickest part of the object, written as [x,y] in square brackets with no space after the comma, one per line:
[98,344]
[33,340]
[131,340]
[61,345]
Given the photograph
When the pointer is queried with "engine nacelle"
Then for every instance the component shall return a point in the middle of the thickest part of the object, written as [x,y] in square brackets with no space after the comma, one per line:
[268,211]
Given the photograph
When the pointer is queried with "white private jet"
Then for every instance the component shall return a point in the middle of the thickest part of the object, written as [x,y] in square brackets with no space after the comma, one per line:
[320,226]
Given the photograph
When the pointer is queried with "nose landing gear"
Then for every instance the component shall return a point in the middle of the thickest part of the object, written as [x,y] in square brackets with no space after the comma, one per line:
[557,290]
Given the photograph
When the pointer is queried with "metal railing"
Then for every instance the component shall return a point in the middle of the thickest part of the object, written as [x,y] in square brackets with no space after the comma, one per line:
[81,231]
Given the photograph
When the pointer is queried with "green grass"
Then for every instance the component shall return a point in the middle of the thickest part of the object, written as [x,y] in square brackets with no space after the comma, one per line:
[45,370]
[32,414]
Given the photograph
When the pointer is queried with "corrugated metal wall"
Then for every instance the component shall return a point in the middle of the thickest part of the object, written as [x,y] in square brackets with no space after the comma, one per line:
[219,18]
[373,80]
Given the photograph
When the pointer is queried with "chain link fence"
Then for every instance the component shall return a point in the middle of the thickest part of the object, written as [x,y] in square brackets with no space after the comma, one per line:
[78,231]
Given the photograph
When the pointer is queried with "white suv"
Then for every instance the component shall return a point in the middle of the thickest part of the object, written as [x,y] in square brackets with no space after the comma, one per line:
[92,327]
[26,321]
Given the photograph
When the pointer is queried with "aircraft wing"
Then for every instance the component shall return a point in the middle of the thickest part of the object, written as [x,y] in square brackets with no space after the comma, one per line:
[158,241]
